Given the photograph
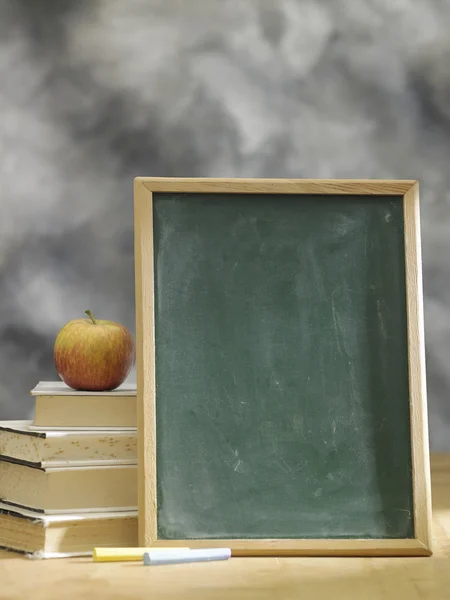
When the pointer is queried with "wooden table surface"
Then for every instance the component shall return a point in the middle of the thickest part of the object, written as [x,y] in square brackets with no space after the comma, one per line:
[244,578]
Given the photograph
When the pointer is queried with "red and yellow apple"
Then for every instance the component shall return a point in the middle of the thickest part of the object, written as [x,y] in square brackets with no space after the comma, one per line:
[93,355]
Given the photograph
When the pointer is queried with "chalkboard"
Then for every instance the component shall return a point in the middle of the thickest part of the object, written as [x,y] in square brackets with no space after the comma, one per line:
[281,393]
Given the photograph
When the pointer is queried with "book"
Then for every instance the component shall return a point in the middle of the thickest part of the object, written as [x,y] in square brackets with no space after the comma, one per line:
[53,536]
[57,405]
[55,490]
[53,448]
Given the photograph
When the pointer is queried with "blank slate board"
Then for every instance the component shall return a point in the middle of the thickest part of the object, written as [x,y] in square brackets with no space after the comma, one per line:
[280,366]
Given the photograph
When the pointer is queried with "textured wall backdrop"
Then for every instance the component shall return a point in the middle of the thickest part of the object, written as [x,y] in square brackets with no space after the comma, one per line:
[95,92]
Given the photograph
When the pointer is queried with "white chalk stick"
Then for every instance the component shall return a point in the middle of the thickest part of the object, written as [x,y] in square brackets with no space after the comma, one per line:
[186,556]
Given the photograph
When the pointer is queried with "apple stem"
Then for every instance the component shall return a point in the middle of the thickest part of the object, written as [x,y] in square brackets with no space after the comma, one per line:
[88,312]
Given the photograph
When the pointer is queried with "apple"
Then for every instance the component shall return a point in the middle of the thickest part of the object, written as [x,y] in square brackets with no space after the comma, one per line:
[93,355]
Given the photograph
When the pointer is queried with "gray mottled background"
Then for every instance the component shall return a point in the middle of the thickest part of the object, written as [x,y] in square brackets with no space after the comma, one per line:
[95,92]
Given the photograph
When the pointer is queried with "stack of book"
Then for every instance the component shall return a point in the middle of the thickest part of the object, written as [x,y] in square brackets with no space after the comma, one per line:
[68,479]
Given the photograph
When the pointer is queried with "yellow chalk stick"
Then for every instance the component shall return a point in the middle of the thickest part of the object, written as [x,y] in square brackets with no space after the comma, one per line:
[123,554]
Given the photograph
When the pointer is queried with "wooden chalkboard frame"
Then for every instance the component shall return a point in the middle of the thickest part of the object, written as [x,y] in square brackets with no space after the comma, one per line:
[144,187]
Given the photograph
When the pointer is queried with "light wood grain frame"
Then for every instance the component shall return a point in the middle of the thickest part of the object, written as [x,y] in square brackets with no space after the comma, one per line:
[144,187]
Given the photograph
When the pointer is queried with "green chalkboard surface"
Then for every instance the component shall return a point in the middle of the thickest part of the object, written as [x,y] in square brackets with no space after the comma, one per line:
[282,395]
